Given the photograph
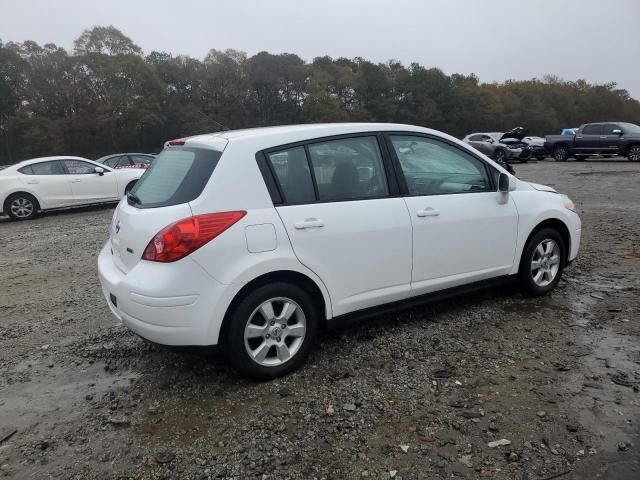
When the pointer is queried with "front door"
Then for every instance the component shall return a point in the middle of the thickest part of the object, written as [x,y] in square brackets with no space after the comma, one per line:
[463,230]
[342,222]
[87,185]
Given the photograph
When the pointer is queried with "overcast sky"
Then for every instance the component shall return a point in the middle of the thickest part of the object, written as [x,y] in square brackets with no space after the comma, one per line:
[597,40]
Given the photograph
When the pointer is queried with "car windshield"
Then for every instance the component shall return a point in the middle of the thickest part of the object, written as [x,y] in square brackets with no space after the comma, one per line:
[496,136]
[630,127]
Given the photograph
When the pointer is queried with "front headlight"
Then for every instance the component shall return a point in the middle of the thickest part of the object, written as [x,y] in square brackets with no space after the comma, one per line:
[568,203]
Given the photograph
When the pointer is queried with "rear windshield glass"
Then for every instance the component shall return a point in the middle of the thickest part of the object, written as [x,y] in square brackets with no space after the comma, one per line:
[177,175]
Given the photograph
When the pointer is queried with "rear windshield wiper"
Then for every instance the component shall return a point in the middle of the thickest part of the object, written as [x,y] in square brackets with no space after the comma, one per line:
[133,199]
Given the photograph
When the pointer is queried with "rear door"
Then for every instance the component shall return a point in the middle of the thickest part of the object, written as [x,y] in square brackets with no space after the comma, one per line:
[590,139]
[462,232]
[345,220]
[88,186]
[49,182]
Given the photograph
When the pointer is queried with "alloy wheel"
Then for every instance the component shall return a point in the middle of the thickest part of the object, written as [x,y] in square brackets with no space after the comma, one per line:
[634,154]
[545,262]
[275,332]
[21,207]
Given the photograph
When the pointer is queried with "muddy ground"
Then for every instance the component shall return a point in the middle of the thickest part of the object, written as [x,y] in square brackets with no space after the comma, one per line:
[557,376]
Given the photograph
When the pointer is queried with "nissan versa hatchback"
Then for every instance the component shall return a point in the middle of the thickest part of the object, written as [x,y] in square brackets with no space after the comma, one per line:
[254,239]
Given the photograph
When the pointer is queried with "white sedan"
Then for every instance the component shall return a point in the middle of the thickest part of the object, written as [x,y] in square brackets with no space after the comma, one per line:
[55,182]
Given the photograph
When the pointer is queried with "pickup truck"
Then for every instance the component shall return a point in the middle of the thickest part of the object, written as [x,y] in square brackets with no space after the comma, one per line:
[606,138]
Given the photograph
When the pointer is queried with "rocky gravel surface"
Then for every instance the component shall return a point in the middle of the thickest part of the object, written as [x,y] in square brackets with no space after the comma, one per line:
[491,385]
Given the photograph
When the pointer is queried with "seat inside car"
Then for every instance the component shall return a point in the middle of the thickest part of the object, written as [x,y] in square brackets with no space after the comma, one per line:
[345,182]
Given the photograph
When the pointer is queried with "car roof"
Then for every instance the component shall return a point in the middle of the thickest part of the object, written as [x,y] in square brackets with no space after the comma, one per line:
[265,137]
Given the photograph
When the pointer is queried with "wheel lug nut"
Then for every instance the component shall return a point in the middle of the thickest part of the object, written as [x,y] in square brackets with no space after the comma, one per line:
[278,339]
[273,323]
[284,325]
[267,336]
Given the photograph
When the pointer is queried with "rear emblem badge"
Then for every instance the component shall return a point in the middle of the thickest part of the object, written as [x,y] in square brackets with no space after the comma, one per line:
[118,226]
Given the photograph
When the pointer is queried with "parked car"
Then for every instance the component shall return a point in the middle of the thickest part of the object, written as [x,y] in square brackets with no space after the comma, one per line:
[127,160]
[253,239]
[606,138]
[55,182]
[536,147]
[502,147]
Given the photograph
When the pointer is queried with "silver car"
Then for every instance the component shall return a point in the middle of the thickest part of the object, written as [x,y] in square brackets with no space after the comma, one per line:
[501,146]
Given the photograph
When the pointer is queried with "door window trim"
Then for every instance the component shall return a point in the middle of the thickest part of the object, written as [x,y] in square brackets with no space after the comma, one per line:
[404,188]
[275,189]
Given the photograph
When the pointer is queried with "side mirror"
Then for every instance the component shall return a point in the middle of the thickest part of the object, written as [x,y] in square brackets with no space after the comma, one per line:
[99,171]
[617,131]
[506,183]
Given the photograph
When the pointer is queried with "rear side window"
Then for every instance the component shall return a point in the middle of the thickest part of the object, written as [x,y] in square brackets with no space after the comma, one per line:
[477,138]
[177,175]
[292,170]
[592,130]
[349,168]
[43,168]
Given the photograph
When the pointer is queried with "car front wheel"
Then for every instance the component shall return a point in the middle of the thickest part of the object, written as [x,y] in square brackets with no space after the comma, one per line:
[542,262]
[634,153]
[272,330]
[499,156]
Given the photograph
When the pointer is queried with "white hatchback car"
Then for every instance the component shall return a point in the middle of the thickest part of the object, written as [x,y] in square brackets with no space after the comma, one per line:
[254,239]
[56,182]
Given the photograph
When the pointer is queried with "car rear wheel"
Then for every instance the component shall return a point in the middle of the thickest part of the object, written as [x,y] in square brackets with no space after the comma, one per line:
[21,206]
[561,153]
[542,262]
[271,331]
[634,153]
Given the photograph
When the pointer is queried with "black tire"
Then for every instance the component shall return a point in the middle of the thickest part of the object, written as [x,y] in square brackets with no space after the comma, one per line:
[234,346]
[21,206]
[128,188]
[526,272]
[561,153]
[499,155]
[633,154]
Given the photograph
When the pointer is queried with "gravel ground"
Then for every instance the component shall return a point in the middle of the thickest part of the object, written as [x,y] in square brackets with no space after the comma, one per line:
[419,394]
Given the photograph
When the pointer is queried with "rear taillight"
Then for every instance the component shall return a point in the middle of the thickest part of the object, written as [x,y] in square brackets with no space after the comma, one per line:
[177,142]
[187,235]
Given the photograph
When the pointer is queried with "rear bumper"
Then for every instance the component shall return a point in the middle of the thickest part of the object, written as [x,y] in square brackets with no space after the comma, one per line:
[169,304]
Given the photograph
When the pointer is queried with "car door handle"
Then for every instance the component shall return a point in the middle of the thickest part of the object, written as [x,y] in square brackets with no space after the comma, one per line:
[309,223]
[578,137]
[428,212]
[32,182]
[76,180]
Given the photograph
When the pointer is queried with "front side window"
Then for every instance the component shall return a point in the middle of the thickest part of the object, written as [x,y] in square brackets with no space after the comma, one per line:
[431,167]
[609,128]
[112,162]
[476,138]
[592,130]
[78,167]
[43,168]
[138,159]
[292,170]
[348,169]
[178,175]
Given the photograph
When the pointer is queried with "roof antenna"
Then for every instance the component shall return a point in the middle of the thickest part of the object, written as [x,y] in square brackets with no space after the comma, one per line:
[224,128]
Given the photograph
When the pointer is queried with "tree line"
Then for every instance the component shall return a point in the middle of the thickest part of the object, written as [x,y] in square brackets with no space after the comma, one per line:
[108,96]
